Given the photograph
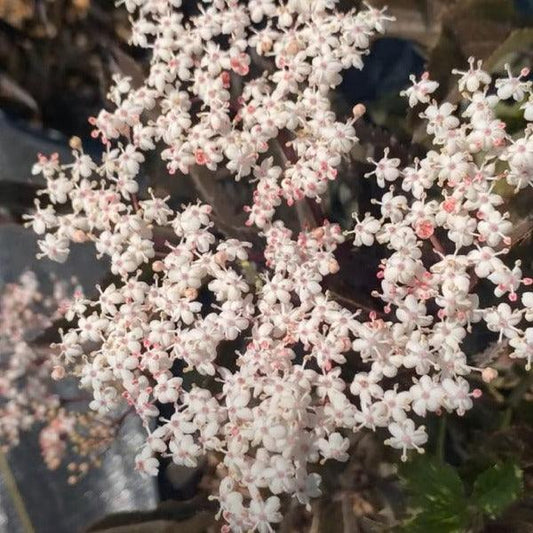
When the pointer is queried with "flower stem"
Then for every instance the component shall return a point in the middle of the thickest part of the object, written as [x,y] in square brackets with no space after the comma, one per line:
[515,397]
[441,438]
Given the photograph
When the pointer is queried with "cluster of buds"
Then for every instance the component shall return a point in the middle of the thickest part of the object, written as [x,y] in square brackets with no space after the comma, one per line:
[79,433]
[261,371]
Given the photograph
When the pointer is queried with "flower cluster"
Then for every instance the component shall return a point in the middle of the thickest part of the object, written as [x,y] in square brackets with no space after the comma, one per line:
[26,396]
[230,88]
[29,397]
[258,362]
[181,294]
[441,221]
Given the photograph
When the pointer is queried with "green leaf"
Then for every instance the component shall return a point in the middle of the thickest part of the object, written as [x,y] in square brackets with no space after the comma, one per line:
[497,488]
[520,40]
[436,497]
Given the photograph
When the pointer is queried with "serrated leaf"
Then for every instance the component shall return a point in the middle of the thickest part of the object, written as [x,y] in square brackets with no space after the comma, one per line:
[436,497]
[497,488]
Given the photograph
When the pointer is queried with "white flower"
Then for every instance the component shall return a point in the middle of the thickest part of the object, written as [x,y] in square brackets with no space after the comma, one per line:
[365,230]
[386,169]
[513,86]
[281,402]
[405,436]
[146,463]
[523,347]
[503,320]
[527,302]
[184,452]
[440,118]
[528,109]
[494,227]
[264,513]
[420,90]
[485,261]
[334,447]
[474,78]
[458,395]
[427,395]
[55,247]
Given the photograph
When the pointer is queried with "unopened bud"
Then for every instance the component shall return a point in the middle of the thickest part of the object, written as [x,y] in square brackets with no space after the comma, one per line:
[191,293]
[75,143]
[58,373]
[266,46]
[489,374]
[292,48]
[79,236]
[333,267]
[158,266]
[318,233]
[221,258]
[358,111]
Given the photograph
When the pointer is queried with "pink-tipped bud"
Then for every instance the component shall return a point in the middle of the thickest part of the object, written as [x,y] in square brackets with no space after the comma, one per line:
[424,229]
[58,372]
[158,266]
[221,258]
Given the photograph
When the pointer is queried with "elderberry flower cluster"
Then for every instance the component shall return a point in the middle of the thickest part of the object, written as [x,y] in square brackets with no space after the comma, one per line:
[233,82]
[256,363]
[26,395]
[29,397]
[226,85]
[442,222]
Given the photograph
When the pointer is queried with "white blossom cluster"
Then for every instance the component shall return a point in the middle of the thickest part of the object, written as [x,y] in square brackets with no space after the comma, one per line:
[27,396]
[228,81]
[244,86]
[30,399]
[441,222]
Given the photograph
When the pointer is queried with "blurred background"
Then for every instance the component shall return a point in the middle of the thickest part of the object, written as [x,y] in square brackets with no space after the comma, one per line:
[57,59]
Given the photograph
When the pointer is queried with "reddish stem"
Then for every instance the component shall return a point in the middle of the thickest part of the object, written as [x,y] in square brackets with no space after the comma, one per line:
[437,244]
[135,202]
